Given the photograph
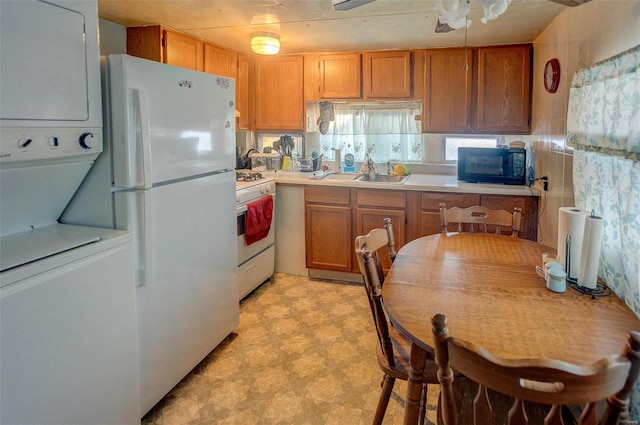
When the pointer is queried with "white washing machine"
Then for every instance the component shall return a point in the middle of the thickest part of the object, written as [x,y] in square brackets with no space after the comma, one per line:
[68,340]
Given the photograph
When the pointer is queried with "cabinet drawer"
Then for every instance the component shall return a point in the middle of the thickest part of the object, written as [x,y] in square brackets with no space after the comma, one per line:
[432,200]
[507,203]
[381,198]
[328,195]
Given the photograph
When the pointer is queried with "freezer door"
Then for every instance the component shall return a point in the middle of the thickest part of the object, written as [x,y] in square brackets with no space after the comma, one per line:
[167,123]
[187,296]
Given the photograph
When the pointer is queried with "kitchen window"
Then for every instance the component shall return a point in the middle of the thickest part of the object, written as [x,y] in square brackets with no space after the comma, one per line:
[389,131]
[452,143]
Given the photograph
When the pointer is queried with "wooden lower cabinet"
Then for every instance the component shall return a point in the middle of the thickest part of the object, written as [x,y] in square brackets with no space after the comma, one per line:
[372,207]
[528,204]
[328,230]
[430,210]
[334,216]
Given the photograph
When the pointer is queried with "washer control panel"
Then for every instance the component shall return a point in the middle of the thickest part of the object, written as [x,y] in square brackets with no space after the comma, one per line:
[30,144]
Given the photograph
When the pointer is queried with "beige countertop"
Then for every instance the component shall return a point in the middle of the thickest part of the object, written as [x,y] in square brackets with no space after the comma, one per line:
[419,182]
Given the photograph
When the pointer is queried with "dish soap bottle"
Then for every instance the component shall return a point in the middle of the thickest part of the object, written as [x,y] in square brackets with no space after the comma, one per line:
[349,161]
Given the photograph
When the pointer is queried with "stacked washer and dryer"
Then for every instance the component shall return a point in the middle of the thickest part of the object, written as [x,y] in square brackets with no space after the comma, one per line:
[68,339]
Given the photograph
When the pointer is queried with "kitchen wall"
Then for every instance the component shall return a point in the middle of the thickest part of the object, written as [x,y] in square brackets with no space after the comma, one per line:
[113,38]
[578,37]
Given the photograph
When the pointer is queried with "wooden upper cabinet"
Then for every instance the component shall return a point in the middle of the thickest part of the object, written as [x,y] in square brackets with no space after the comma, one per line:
[182,50]
[161,44]
[220,61]
[279,101]
[504,89]
[491,95]
[448,90]
[242,93]
[340,76]
[387,74]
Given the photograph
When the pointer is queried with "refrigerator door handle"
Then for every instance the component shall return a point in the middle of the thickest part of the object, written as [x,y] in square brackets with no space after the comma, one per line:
[140,222]
[143,145]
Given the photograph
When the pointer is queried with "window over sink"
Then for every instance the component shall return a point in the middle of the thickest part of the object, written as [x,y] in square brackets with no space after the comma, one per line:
[389,131]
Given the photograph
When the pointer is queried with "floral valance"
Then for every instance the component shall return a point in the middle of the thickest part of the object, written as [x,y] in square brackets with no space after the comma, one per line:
[604,107]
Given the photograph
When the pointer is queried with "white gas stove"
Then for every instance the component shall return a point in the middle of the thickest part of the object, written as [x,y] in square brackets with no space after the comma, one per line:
[256,261]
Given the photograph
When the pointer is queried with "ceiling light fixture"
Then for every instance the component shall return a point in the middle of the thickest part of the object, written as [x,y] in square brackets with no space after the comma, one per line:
[265,43]
[454,12]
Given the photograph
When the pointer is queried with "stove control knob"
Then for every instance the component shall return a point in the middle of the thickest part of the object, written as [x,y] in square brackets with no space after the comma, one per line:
[263,190]
[24,142]
[268,189]
[86,140]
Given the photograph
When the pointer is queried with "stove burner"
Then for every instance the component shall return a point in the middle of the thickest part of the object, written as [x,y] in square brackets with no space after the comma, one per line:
[248,177]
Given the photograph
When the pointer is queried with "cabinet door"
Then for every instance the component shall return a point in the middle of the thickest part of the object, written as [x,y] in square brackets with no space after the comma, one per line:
[368,219]
[328,240]
[182,50]
[504,89]
[220,61]
[341,76]
[430,222]
[145,42]
[448,90]
[242,93]
[529,206]
[279,93]
[387,74]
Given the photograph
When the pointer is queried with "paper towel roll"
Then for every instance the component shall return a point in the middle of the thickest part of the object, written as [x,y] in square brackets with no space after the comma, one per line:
[571,222]
[590,259]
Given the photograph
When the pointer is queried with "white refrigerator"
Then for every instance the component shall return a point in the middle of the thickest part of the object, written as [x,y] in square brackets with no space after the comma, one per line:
[167,175]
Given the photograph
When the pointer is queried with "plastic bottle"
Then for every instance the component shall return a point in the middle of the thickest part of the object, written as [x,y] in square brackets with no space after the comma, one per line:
[349,161]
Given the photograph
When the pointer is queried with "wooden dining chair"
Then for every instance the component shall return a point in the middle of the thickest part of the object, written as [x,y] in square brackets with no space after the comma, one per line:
[393,348]
[531,382]
[481,217]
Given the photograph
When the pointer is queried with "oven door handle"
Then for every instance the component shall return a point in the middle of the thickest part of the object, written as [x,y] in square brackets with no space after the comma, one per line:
[241,210]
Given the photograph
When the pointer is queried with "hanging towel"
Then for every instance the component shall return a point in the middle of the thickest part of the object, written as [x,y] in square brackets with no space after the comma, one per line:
[258,221]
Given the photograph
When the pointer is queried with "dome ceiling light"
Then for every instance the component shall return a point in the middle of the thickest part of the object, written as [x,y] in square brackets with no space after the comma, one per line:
[265,43]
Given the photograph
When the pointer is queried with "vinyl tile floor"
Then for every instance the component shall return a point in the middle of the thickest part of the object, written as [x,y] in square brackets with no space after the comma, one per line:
[303,354]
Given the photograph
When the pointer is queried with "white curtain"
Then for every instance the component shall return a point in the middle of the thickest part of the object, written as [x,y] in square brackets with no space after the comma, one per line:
[387,131]
[603,125]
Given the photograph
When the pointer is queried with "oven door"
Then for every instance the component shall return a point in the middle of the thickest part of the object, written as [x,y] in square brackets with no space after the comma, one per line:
[246,252]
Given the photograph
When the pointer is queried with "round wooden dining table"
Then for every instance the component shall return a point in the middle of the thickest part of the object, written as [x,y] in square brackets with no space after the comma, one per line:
[488,288]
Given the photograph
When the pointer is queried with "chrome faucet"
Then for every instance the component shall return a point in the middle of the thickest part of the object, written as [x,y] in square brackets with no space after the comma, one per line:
[389,168]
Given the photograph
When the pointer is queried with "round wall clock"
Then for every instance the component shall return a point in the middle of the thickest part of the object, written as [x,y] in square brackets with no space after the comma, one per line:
[552,75]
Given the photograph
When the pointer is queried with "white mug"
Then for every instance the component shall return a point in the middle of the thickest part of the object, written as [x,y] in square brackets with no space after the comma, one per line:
[544,271]
[556,280]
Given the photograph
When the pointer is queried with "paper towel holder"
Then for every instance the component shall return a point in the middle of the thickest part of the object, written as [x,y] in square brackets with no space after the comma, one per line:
[599,291]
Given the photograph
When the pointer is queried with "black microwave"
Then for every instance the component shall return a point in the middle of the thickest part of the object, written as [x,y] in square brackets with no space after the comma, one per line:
[492,165]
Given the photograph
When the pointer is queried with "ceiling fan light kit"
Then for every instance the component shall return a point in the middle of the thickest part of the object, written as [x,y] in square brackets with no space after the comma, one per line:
[265,43]
[454,12]
[349,4]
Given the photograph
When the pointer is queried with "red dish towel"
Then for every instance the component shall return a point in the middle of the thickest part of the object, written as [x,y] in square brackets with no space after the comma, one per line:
[258,221]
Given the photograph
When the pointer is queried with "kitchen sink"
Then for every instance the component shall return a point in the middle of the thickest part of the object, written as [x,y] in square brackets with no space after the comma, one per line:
[383,178]
[337,176]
